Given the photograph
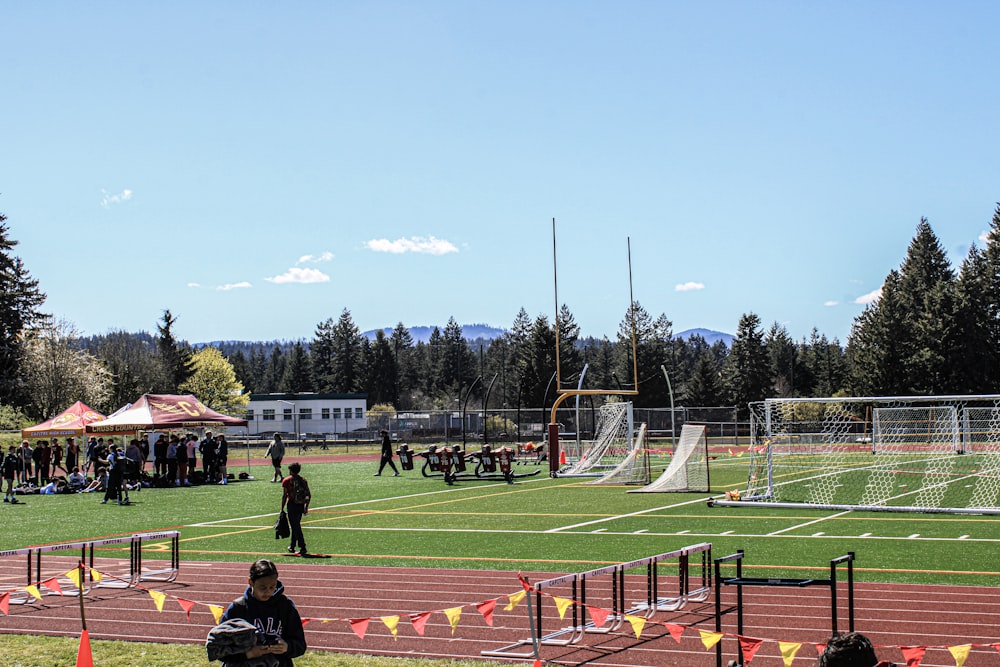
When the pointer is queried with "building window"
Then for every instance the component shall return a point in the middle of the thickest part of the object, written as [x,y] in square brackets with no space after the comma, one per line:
[305,413]
[359,413]
[325,413]
[336,413]
[249,415]
[287,414]
[268,415]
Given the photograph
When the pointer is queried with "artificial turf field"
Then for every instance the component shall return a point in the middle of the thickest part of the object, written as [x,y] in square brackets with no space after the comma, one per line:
[537,523]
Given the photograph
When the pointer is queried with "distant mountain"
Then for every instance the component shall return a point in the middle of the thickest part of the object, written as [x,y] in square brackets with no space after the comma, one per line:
[423,334]
[711,337]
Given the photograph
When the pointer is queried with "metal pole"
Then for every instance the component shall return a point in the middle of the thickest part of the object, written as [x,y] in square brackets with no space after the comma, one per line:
[673,431]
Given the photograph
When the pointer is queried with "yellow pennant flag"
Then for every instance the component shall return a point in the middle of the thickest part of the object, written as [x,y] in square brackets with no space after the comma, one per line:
[515,600]
[453,615]
[391,622]
[960,653]
[788,651]
[95,575]
[710,639]
[638,623]
[562,604]
[216,612]
[33,591]
[74,576]
[158,598]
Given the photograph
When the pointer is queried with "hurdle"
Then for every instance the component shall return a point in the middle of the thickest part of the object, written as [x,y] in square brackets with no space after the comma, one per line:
[740,581]
[579,627]
[86,550]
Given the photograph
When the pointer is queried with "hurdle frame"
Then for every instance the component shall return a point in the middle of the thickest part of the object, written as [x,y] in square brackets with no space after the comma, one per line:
[572,634]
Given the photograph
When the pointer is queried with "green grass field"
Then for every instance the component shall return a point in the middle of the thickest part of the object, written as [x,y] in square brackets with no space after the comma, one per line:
[538,523]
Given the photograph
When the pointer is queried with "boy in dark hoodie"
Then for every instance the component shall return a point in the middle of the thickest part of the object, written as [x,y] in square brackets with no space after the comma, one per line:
[279,626]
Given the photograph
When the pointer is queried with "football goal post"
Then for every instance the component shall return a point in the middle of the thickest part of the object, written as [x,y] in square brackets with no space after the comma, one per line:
[688,469]
[913,453]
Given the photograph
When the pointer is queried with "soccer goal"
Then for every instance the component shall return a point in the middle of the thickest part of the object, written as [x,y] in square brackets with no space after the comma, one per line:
[916,454]
[613,442]
[634,469]
[688,469]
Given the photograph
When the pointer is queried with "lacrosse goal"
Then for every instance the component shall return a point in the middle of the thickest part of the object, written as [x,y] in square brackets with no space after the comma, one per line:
[688,469]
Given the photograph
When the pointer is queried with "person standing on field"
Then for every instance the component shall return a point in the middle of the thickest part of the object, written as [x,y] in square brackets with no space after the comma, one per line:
[295,495]
[276,450]
[386,456]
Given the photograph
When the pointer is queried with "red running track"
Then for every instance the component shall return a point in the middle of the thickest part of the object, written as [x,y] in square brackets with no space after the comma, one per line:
[891,615]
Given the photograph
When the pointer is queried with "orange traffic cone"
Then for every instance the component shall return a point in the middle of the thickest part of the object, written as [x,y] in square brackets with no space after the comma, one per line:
[562,458]
[83,656]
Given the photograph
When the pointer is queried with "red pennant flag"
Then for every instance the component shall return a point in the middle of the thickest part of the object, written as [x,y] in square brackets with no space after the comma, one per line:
[5,604]
[304,621]
[360,626]
[186,605]
[913,654]
[598,615]
[749,646]
[486,609]
[675,631]
[537,663]
[524,582]
[83,657]
[53,585]
[419,621]
[996,646]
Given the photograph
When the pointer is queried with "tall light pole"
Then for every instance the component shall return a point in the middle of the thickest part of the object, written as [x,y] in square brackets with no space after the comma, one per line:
[294,429]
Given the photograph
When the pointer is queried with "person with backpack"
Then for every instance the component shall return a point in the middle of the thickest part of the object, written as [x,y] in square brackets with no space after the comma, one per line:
[295,495]
[116,474]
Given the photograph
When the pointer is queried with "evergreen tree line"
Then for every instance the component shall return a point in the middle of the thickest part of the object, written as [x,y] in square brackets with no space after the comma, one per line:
[933,330]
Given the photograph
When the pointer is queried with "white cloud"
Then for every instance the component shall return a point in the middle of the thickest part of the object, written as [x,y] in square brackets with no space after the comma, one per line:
[193,285]
[689,286]
[417,244]
[297,275]
[871,297]
[231,286]
[108,199]
[315,259]
[830,304]
[985,236]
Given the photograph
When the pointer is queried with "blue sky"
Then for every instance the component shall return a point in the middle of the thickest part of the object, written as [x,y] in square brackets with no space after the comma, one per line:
[258,167]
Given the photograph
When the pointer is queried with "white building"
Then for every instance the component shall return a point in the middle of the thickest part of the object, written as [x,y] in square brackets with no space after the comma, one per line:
[333,416]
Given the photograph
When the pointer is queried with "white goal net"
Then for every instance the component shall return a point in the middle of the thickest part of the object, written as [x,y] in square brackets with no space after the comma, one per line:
[611,445]
[634,468]
[915,453]
[688,469]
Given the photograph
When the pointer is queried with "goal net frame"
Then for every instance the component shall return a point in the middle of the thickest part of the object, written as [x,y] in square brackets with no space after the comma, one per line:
[938,454]
[634,468]
[614,441]
[688,470]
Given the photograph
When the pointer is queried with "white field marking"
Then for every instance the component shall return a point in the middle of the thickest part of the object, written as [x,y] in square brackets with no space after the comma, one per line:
[359,502]
[624,516]
[865,535]
[599,530]
[913,536]
[640,532]
[819,534]
[808,523]
[682,532]
[728,533]
[963,537]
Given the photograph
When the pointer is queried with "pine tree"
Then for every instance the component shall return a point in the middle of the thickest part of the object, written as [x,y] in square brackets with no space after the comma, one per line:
[345,371]
[20,300]
[746,373]
[175,357]
[297,376]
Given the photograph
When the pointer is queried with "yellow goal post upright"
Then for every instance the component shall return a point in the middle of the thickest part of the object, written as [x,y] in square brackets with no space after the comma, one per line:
[563,393]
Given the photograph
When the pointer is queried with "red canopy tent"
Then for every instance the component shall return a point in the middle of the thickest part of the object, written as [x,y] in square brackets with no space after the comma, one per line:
[154,412]
[69,422]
